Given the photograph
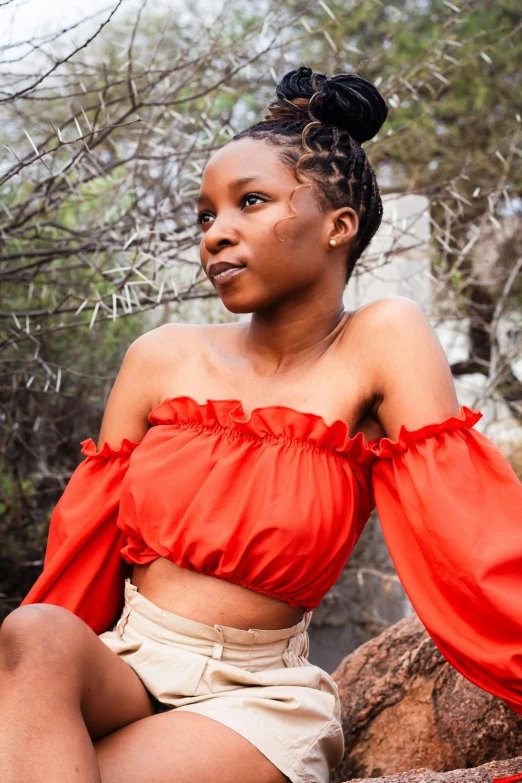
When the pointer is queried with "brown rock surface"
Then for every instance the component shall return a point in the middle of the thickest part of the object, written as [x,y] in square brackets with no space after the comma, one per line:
[483,774]
[405,708]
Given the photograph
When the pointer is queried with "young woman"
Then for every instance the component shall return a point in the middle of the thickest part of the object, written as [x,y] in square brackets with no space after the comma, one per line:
[166,640]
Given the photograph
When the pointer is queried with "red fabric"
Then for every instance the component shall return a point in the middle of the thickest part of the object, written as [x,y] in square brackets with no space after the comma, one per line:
[450,507]
[510,779]
[83,569]
[277,502]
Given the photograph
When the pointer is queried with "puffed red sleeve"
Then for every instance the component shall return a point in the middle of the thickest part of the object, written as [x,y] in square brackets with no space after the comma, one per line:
[83,568]
[450,507]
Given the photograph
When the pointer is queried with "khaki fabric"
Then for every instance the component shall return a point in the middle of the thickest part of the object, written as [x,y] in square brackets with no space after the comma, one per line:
[259,682]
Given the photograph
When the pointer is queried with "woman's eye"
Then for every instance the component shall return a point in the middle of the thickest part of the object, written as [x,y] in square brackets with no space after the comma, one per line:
[199,219]
[252,195]
[202,215]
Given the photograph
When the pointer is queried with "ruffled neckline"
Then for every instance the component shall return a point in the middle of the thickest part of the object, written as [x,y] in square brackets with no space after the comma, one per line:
[282,422]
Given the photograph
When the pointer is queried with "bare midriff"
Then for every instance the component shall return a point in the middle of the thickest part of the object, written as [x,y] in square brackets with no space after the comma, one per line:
[210,600]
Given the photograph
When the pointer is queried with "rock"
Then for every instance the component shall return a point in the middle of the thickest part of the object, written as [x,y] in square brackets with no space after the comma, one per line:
[483,774]
[405,708]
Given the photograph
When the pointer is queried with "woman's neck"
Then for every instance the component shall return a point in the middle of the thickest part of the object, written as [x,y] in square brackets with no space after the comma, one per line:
[278,348]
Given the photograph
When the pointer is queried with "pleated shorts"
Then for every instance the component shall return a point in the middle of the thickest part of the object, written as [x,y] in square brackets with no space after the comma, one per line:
[259,683]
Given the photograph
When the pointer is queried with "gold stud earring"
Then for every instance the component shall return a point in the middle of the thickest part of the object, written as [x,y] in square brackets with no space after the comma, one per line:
[332,243]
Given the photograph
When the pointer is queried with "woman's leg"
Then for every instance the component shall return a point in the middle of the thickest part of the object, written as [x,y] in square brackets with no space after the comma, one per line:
[61,688]
[182,747]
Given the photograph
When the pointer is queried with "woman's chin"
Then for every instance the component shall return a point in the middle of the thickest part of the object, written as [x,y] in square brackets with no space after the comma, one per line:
[239,301]
[237,306]
[253,302]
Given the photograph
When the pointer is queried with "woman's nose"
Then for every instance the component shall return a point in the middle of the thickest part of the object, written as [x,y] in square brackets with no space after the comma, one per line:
[219,234]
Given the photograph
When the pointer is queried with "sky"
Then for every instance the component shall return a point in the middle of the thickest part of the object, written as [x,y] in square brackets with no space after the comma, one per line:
[24,19]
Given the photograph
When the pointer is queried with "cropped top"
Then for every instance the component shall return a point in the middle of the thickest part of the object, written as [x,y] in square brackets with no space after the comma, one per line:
[277,502]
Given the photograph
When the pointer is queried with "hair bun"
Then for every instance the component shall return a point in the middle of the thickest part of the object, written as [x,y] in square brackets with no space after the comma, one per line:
[346,101]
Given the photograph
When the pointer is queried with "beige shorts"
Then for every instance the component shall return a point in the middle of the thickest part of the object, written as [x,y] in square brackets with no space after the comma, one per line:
[259,683]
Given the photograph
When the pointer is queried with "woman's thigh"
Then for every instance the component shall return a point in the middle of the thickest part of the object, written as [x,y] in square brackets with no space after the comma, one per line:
[182,747]
[55,649]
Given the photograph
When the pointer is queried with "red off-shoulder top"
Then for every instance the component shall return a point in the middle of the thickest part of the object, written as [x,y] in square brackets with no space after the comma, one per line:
[277,502]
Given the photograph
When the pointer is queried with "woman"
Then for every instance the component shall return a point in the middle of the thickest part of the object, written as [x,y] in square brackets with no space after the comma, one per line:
[236,467]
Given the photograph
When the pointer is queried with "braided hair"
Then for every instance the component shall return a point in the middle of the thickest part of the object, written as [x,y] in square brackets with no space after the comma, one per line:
[328,117]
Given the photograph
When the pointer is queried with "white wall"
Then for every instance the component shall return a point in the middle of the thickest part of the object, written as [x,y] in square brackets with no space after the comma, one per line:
[397,261]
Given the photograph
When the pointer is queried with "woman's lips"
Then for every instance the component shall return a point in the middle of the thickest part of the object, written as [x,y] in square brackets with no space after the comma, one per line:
[227,275]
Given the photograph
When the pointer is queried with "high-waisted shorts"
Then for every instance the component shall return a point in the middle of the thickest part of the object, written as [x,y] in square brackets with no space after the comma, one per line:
[259,683]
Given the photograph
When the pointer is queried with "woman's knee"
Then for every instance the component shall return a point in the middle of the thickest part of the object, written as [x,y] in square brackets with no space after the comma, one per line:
[40,635]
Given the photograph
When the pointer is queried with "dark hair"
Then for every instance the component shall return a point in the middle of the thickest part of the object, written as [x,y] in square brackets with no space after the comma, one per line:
[339,114]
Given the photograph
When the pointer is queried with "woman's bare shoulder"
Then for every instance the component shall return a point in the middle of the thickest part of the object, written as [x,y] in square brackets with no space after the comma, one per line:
[176,336]
[387,306]
[167,335]
[411,375]
[135,391]
[387,320]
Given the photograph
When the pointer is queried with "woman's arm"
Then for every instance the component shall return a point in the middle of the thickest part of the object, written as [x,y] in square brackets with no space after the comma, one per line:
[450,508]
[412,377]
[83,568]
[134,392]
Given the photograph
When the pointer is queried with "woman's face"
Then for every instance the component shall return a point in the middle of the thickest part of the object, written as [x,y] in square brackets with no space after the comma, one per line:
[237,219]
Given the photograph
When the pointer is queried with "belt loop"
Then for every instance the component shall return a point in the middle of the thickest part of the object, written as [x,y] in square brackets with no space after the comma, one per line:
[122,622]
[130,586]
[250,650]
[289,655]
[297,647]
[217,649]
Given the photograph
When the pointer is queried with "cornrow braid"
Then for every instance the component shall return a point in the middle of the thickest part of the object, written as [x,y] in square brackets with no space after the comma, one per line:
[329,118]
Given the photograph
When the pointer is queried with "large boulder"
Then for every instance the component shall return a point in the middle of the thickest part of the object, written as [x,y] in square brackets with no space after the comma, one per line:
[406,710]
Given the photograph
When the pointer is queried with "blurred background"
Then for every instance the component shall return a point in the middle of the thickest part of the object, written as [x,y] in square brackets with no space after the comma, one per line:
[109,112]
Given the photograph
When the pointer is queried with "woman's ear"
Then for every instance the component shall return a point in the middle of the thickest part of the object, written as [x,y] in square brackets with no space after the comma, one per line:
[343,226]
